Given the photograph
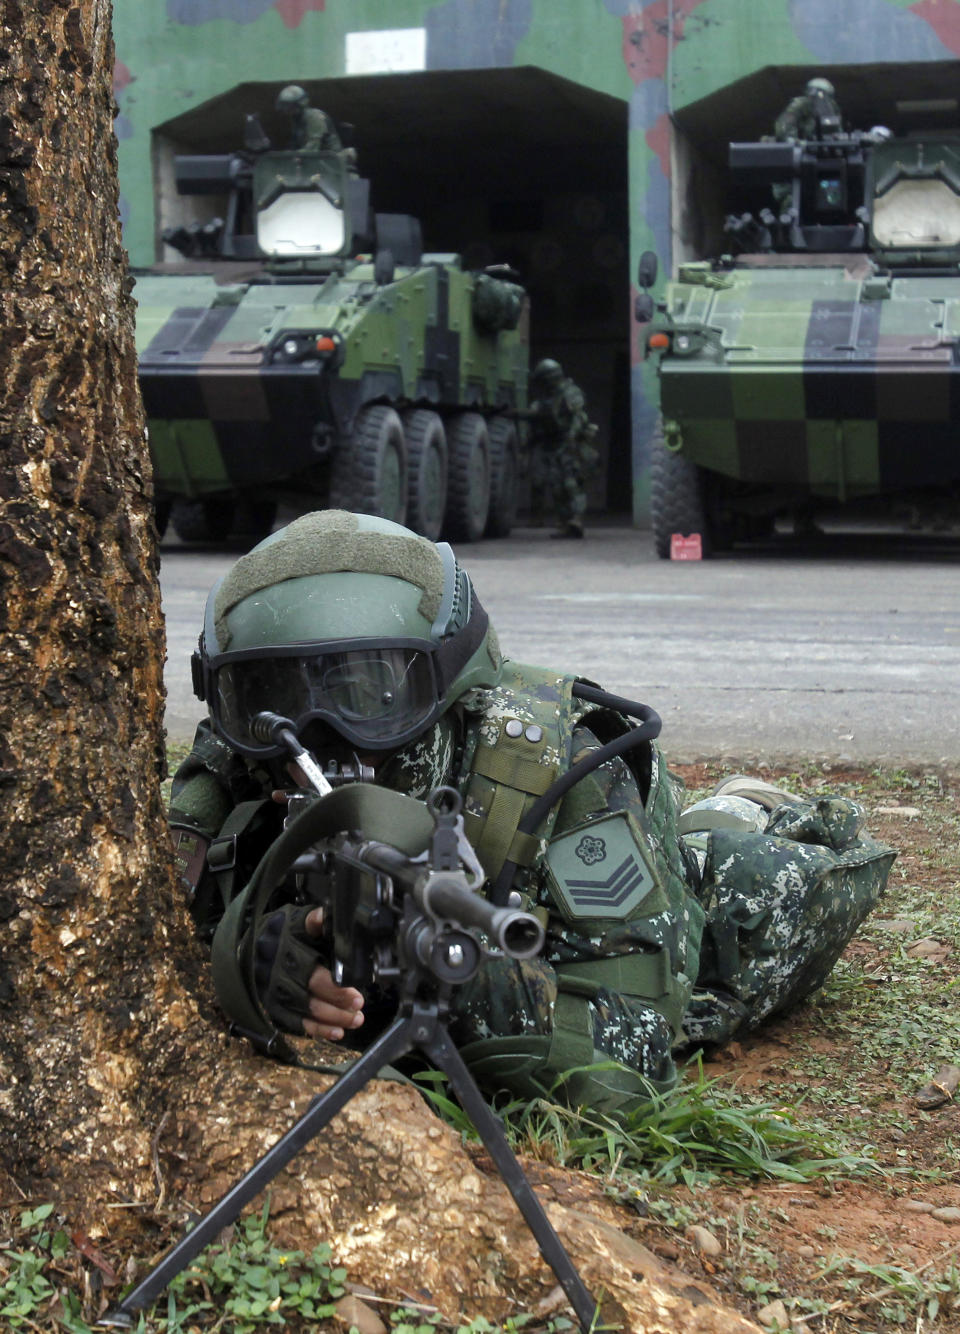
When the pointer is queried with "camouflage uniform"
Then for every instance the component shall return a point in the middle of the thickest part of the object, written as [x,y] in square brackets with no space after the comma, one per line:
[774,896]
[311,130]
[783,889]
[564,454]
[810,115]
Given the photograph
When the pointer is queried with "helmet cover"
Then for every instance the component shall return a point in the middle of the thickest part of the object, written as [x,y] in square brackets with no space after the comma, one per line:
[350,619]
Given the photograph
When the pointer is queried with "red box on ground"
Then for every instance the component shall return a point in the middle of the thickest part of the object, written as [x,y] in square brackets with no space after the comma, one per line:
[686,548]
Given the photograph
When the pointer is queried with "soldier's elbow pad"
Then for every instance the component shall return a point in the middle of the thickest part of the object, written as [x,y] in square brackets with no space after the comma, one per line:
[532,1066]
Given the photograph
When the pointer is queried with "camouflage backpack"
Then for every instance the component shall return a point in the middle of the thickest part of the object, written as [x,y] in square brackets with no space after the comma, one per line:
[785,883]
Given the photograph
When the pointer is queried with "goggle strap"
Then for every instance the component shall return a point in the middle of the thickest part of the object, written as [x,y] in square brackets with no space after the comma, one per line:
[453,654]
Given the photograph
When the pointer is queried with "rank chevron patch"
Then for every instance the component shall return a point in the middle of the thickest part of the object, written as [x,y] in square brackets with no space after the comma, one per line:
[602,870]
[610,892]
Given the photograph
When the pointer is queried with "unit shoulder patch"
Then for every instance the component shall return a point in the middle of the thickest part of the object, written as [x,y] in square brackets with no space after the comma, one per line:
[601,870]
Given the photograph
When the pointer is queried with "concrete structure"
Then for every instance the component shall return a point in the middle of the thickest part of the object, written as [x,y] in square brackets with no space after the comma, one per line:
[563,136]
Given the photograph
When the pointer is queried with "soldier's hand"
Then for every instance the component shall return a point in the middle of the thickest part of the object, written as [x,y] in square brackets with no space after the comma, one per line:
[333,1009]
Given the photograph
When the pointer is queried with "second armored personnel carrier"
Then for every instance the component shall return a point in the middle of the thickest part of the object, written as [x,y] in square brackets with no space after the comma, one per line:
[817,364]
[307,349]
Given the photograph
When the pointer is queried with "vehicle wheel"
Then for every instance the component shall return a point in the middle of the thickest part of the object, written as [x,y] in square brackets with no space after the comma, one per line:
[161,515]
[676,497]
[503,476]
[369,470]
[208,520]
[255,517]
[468,491]
[426,472]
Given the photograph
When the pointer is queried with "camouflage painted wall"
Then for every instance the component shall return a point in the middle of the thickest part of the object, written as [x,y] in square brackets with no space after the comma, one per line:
[659,56]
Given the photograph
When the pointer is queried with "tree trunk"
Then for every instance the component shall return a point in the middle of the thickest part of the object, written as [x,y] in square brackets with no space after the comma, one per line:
[118,1084]
[85,880]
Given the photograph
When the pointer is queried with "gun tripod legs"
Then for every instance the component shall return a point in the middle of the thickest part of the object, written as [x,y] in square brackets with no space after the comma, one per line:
[423,1032]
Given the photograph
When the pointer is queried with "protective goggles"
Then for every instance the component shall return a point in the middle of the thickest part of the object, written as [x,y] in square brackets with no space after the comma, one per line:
[378,696]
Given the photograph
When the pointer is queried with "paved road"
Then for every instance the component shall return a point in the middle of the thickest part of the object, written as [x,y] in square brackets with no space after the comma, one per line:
[845,649]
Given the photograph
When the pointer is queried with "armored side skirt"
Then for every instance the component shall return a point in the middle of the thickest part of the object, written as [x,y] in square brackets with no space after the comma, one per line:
[838,431]
[219,429]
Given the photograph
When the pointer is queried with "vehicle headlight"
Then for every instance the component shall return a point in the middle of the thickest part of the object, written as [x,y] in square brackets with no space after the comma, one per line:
[296,345]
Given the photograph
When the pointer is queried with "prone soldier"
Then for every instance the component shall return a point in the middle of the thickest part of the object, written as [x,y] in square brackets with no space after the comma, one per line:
[663,926]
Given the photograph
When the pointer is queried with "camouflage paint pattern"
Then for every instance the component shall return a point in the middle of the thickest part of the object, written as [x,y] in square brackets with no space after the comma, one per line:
[221,415]
[810,375]
[659,56]
[815,378]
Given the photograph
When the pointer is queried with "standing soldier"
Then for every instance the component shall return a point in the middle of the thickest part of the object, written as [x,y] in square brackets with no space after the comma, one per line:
[562,439]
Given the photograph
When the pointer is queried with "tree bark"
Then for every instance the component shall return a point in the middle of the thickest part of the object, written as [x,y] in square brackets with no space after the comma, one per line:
[85,879]
[118,1084]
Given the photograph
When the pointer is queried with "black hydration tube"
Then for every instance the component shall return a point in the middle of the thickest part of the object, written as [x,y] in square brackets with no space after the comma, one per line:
[648,730]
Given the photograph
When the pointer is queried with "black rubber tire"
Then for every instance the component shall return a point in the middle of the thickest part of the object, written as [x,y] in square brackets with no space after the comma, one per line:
[426,472]
[504,469]
[676,497]
[207,520]
[255,517]
[468,491]
[369,469]
[161,515]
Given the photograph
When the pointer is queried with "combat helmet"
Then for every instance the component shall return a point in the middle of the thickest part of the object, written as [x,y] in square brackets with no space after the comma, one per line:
[346,620]
[547,372]
[292,98]
[819,85]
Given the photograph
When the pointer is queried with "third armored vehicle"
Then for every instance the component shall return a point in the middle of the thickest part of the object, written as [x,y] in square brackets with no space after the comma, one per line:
[306,348]
[818,363]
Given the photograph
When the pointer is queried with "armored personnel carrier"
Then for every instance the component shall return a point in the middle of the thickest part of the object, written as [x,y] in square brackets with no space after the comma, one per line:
[816,364]
[307,350]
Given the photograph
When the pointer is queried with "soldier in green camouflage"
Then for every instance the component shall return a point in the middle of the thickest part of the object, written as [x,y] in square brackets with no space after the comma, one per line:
[310,128]
[815,114]
[562,444]
[662,926]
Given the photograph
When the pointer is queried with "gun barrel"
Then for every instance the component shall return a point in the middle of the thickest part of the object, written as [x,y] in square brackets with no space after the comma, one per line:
[519,934]
[444,895]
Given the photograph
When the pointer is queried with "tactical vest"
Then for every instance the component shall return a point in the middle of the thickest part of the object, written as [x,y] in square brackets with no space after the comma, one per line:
[514,751]
[520,745]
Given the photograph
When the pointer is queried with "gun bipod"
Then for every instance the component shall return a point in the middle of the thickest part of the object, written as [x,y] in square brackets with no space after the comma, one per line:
[421,1030]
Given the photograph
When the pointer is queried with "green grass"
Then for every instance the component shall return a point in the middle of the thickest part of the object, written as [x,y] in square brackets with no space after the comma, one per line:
[697,1133]
[248,1285]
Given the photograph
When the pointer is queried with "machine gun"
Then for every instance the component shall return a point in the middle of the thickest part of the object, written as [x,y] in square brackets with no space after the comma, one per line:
[817,188]
[402,910]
